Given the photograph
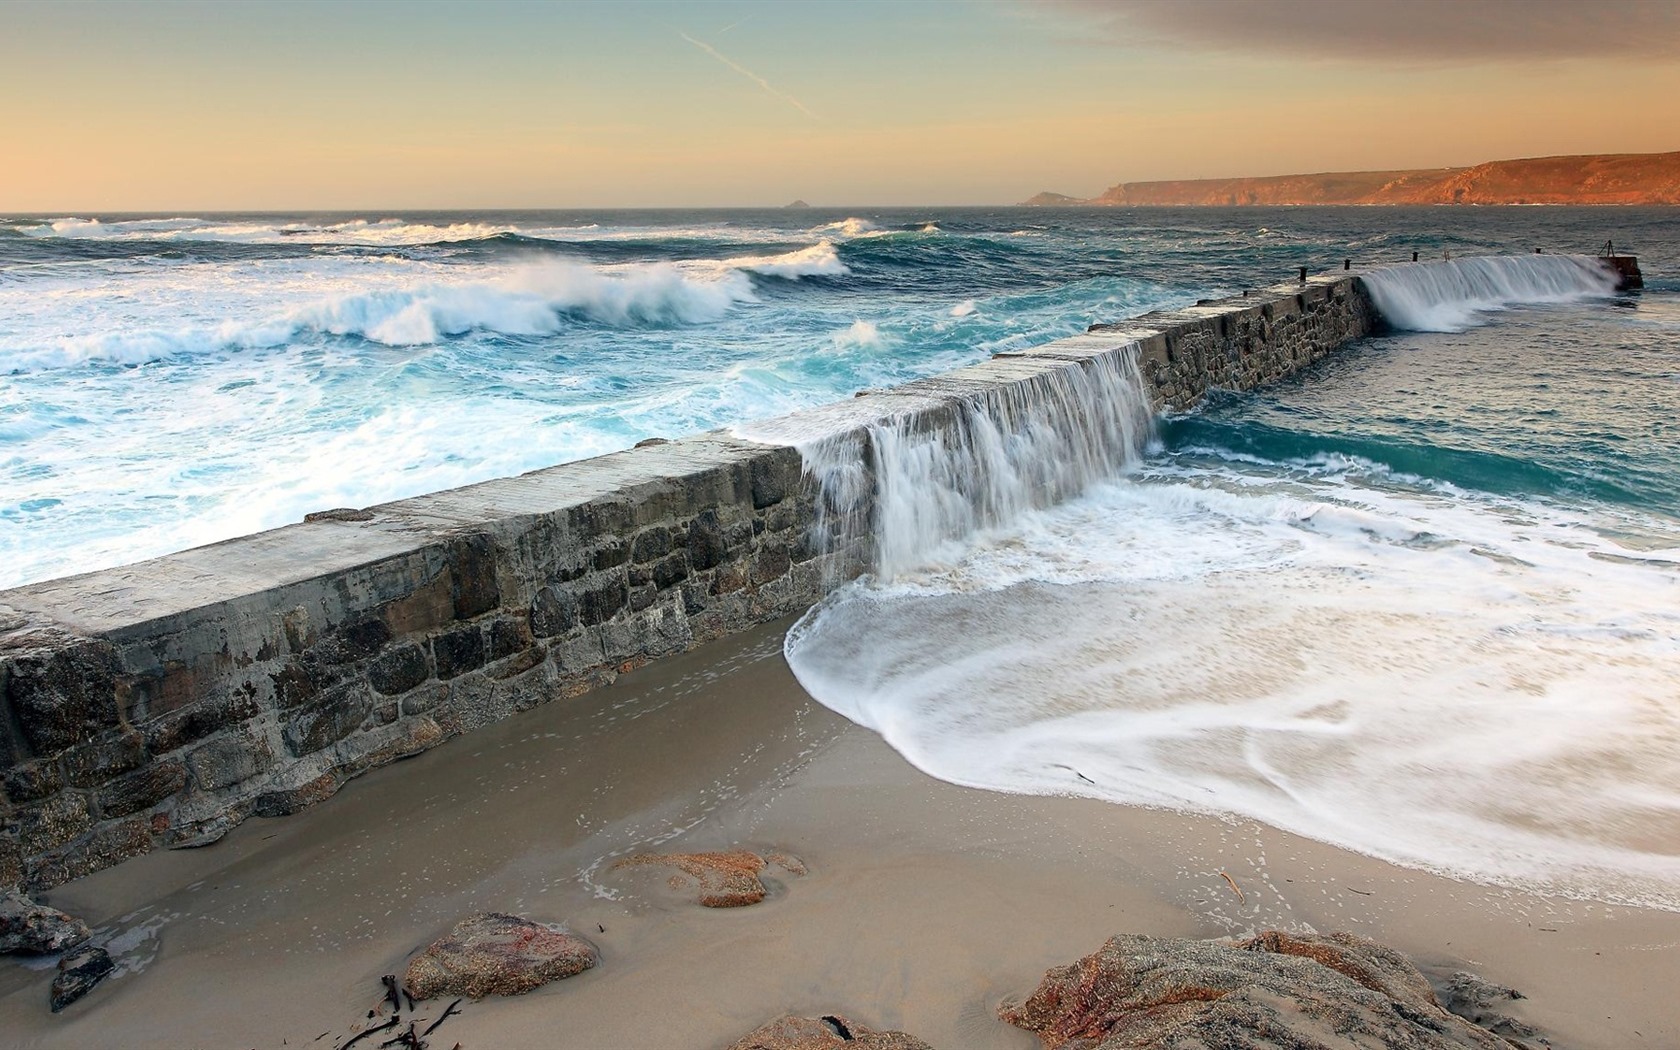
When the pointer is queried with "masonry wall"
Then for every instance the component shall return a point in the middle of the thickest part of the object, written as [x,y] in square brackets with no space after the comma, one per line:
[160,704]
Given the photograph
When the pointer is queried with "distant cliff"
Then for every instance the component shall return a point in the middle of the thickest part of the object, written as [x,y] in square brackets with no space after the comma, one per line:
[1622,178]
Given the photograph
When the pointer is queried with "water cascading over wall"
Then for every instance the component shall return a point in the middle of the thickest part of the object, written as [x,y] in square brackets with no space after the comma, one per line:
[1447,296]
[162,703]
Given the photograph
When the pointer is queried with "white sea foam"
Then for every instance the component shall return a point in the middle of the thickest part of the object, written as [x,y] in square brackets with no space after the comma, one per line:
[1455,683]
[1452,295]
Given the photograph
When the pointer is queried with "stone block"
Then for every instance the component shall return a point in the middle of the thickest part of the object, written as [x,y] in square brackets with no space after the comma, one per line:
[611,554]
[11,863]
[195,723]
[602,603]
[424,699]
[652,544]
[399,670]
[142,789]
[553,612]
[52,823]
[352,642]
[289,800]
[772,563]
[706,545]
[32,781]
[331,717]
[475,590]
[773,476]
[406,741]
[61,689]
[230,760]
[459,651]
[94,764]
[508,635]
[105,846]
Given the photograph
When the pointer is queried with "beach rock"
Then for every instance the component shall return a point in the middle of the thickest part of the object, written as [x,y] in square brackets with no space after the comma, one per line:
[722,879]
[1273,990]
[828,1032]
[495,954]
[78,972]
[1484,1002]
[35,928]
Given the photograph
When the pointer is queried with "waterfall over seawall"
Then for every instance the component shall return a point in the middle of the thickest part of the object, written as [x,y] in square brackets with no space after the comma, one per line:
[909,486]
[1448,296]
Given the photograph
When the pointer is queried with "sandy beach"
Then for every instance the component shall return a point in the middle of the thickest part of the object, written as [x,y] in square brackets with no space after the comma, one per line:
[925,903]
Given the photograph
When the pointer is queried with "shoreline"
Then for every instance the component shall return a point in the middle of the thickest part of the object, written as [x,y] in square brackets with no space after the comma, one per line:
[925,904]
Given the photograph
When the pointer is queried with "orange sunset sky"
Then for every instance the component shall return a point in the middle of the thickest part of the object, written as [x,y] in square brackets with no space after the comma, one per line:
[144,106]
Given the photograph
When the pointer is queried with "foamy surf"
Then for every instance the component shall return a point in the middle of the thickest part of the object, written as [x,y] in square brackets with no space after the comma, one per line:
[1479,688]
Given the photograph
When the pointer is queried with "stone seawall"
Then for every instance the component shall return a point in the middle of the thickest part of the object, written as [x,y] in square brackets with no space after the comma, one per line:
[161,703]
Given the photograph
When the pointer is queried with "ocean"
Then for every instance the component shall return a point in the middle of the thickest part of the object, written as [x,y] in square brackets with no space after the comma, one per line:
[1423,603]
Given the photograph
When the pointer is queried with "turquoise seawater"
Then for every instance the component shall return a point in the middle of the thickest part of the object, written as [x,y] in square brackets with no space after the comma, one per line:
[168,381]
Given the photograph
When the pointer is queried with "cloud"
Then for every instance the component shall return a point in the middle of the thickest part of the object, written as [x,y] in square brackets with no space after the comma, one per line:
[1404,31]
[769,89]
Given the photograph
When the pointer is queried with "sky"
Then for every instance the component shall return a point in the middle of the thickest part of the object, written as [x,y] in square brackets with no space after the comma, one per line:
[298,105]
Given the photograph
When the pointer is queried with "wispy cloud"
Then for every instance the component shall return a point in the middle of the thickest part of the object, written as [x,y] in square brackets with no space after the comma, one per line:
[769,89]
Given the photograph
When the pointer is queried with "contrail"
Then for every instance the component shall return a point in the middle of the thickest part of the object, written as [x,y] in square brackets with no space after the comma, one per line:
[769,89]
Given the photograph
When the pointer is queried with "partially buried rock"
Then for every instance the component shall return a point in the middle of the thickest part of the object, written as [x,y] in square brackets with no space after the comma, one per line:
[35,928]
[1484,1002]
[78,972]
[1273,990]
[495,954]
[724,879]
[828,1032]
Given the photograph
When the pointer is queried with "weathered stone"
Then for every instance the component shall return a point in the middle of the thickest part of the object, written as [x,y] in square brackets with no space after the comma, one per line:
[706,545]
[293,686]
[553,612]
[671,571]
[458,651]
[723,879]
[290,800]
[35,928]
[142,789]
[32,781]
[62,689]
[600,604]
[496,954]
[508,636]
[611,555]
[53,822]
[331,717]
[475,590]
[78,972]
[195,723]
[399,670]
[230,760]
[828,1032]
[1274,991]
[773,477]
[418,735]
[352,642]
[95,763]
[1484,1003]
[772,564]
[109,843]
[652,544]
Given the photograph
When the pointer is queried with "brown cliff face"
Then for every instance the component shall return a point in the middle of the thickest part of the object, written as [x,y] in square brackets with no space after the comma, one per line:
[1625,178]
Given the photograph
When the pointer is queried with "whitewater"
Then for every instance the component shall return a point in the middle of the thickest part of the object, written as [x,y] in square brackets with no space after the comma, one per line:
[1421,604]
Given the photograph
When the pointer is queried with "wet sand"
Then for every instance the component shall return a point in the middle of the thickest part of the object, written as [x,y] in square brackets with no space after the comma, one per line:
[925,903]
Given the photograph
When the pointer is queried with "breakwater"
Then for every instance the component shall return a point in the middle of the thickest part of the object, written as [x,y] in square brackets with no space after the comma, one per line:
[162,703]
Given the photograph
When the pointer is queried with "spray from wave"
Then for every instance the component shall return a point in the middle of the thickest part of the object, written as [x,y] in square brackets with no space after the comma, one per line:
[1456,294]
[531,299]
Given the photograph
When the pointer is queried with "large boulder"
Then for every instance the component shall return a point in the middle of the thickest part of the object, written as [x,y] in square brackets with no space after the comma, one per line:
[723,879]
[35,928]
[828,1032]
[495,954]
[1273,991]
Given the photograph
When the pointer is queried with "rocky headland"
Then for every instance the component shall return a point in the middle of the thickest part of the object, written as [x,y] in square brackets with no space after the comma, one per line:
[1607,178]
